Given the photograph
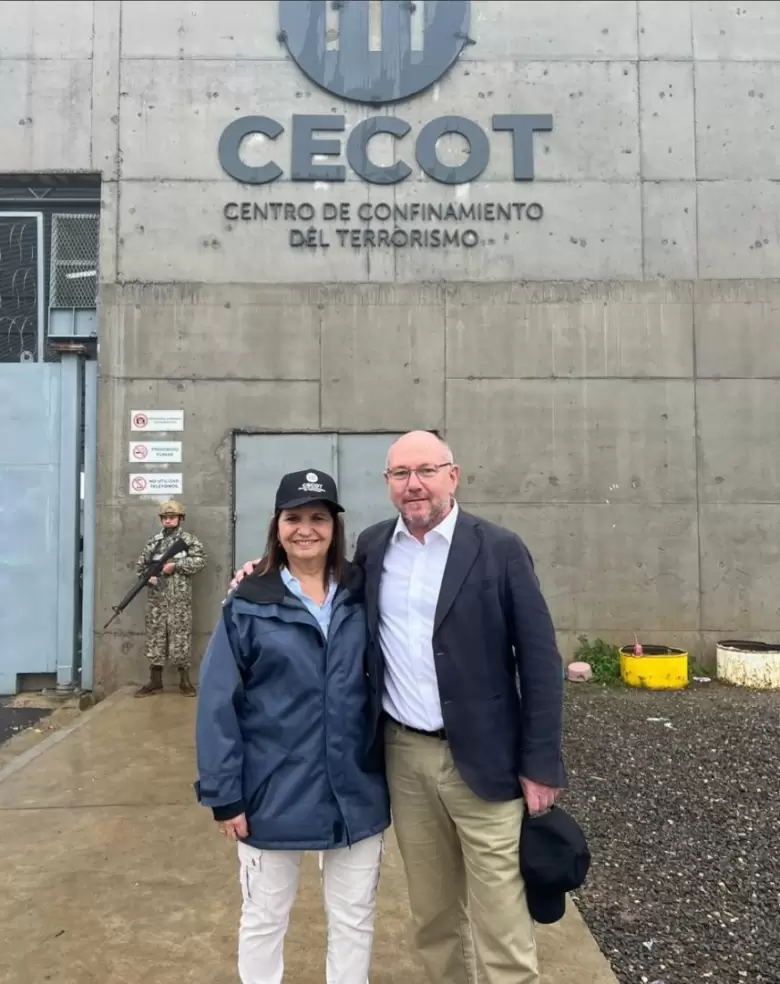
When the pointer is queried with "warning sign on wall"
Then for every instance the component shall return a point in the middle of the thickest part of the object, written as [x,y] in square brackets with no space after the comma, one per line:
[151,452]
[154,483]
[157,420]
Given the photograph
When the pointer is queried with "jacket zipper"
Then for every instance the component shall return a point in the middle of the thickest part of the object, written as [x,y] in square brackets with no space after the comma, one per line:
[295,602]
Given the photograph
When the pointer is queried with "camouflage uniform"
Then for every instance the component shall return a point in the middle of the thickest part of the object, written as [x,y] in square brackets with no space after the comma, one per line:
[169,605]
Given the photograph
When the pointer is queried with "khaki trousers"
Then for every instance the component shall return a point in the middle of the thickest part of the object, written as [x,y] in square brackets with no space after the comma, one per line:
[461,857]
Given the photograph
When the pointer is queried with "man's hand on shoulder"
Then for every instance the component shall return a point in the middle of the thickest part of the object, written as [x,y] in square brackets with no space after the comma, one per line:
[537,796]
[242,572]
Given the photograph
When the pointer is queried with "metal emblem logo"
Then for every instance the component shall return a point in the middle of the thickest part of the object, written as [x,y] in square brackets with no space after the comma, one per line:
[374,51]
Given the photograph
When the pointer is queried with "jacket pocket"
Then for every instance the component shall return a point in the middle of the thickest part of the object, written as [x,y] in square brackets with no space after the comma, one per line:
[259,772]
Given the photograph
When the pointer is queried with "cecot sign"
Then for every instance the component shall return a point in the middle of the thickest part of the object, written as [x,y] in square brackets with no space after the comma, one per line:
[407,48]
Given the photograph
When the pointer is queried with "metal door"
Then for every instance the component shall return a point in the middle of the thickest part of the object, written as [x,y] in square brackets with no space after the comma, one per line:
[356,462]
[29,520]
[362,459]
[48,261]
[42,397]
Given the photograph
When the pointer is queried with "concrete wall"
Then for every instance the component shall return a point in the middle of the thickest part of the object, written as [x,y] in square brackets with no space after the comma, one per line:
[608,376]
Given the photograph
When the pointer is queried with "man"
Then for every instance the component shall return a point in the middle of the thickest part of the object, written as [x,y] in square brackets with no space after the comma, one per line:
[169,601]
[457,620]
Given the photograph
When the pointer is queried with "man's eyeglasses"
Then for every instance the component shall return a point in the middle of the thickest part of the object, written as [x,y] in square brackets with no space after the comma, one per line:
[423,472]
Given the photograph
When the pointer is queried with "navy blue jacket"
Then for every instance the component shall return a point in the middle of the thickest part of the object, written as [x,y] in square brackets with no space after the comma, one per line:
[283,722]
[499,671]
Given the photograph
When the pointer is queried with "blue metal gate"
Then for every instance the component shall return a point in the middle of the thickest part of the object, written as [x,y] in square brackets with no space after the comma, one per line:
[29,520]
[44,399]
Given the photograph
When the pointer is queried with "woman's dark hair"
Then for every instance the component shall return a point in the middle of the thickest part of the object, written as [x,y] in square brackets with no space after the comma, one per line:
[275,555]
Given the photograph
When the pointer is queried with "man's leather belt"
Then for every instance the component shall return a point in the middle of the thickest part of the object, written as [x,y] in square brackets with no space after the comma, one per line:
[441,734]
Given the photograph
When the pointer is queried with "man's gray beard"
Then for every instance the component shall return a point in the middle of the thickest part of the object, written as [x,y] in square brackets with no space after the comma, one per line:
[434,514]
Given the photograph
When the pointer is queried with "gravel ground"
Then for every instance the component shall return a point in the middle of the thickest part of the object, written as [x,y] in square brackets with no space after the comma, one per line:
[683,819]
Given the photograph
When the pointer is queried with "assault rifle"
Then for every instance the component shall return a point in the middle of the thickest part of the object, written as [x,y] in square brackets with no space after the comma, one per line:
[152,569]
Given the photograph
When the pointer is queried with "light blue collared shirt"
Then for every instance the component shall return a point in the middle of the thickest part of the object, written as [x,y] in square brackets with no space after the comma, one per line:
[321,612]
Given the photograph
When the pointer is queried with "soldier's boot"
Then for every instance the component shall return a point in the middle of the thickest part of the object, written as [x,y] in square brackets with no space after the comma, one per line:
[184,682]
[154,685]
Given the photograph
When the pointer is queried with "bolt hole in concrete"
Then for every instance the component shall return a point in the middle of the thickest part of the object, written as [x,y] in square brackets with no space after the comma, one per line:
[749,663]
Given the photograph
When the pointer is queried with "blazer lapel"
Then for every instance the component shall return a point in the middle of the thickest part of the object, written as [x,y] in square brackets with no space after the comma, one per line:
[463,552]
[374,557]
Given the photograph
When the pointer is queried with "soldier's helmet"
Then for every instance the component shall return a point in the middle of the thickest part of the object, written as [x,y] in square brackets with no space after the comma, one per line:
[172,508]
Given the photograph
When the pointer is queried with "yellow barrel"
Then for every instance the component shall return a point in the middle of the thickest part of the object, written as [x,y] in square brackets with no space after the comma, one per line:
[660,668]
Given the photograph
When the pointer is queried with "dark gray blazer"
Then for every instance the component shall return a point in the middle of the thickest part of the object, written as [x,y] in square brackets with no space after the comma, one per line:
[499,671]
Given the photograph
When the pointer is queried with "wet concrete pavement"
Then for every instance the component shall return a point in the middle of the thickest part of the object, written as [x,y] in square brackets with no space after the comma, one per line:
[15,719]
[112,874]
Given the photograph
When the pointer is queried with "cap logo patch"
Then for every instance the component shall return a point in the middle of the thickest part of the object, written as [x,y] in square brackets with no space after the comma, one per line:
[312,477]
[312,486]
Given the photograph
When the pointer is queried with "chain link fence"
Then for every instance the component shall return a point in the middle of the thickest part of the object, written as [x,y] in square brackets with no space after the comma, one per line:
[74,261]
[19,288]
[72,270]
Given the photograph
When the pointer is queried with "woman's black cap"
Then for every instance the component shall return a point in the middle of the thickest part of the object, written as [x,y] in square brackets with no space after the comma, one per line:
[304,487]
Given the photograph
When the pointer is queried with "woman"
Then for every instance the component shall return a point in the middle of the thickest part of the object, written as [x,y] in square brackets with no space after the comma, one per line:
[282,734]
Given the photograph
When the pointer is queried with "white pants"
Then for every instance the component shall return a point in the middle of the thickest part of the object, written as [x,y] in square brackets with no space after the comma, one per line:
[269,884]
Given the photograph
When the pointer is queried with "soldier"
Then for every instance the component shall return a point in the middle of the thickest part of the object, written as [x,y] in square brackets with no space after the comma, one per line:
[169,604]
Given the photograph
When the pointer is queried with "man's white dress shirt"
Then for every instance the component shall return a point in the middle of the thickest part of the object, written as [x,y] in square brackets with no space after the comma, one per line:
[412,575]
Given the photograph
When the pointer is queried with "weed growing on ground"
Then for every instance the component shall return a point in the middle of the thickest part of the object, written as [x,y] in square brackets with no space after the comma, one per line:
[603,658]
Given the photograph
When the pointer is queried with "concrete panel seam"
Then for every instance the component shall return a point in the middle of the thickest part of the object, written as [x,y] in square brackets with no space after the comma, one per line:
[693,59]
[119,168]
[35,60]
[581,283]
[528,60]
[105,86]
[427,293]
[737,633]
[209,379]
[695,166]
[577,628]
[92,97]
[583,379]
[601,503]
[320,308]
[640,143]
[395,203]
[288,183]
[705,501]
[368,251]
[445,379]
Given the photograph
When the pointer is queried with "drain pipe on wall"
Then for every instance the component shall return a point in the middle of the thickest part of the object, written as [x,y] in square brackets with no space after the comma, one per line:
[71,382]
[89,517]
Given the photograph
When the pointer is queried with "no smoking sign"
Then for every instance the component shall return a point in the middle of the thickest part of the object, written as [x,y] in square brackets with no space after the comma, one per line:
[154,452]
